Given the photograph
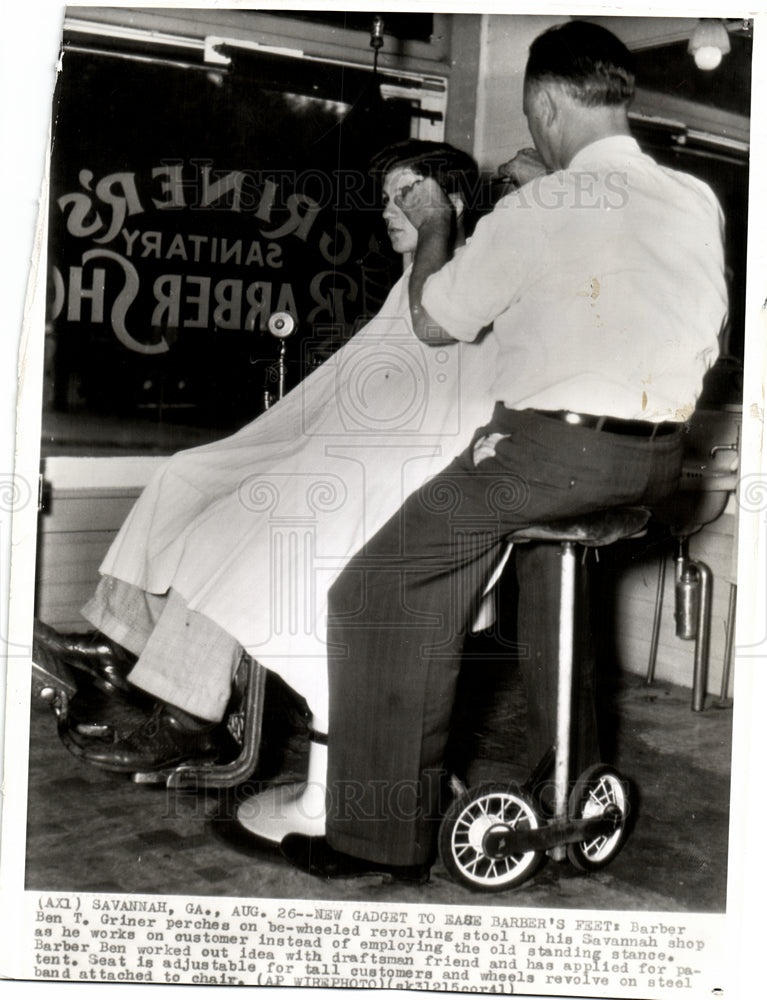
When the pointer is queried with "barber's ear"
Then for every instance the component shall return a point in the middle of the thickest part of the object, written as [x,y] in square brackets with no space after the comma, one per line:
[458,204]
[544,104]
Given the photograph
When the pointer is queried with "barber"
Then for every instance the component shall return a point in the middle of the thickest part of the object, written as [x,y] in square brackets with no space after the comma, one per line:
[604,281]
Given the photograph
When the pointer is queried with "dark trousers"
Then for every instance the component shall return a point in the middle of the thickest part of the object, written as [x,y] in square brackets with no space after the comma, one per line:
[399,612]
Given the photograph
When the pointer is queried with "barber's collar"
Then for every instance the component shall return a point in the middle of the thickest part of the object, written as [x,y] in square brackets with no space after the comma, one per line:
[612,148]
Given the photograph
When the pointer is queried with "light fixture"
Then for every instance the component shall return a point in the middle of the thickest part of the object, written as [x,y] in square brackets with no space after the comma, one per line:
[709,42]
[376,39]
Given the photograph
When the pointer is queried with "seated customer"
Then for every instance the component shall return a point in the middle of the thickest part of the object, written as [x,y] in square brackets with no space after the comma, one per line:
[233,546]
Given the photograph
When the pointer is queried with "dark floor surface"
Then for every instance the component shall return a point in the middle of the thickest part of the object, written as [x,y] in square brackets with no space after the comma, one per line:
[92,831]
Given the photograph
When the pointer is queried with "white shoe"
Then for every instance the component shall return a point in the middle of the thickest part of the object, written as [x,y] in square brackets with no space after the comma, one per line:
[296,808]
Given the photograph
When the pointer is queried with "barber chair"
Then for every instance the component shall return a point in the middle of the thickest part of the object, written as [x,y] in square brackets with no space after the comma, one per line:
[496,835]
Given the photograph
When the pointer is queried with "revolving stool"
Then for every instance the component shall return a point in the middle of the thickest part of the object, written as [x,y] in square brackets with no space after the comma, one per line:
[494,836]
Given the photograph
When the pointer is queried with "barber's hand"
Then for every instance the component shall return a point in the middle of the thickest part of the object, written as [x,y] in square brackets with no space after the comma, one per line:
[524,167]
[424,201]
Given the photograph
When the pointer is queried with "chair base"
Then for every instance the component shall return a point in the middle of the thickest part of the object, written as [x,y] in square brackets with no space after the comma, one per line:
[290,808]
[282,809]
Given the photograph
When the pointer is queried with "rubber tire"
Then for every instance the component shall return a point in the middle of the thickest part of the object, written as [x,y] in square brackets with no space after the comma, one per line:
[598,786]
[465,818]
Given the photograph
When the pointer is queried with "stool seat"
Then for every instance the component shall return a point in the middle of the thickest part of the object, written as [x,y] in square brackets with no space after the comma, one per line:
[602,527]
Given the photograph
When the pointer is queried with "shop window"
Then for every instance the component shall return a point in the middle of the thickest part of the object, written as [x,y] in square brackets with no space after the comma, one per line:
[189,202]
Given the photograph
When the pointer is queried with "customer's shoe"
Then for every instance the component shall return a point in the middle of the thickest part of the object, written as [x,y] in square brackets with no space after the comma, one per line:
[106,662]
[315,856]
[159,742]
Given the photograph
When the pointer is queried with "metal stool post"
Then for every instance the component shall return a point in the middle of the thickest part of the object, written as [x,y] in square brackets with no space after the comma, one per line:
[562,752]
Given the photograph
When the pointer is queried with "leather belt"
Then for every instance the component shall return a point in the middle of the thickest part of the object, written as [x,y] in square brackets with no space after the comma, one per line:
[614,425]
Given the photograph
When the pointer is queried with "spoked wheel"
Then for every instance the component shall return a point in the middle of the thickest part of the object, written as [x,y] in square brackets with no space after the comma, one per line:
[475,830]
[599,791]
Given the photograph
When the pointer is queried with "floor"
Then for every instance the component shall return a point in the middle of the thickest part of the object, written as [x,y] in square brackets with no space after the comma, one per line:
[144,839]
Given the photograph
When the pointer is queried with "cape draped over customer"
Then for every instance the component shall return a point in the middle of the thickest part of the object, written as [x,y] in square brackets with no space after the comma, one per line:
[252,530]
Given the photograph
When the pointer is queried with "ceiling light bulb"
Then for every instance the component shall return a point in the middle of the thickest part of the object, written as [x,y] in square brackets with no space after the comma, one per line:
[709,42]
[708,57]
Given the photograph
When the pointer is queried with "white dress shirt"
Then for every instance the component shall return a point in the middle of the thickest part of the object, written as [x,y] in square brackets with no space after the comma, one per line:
[604,283]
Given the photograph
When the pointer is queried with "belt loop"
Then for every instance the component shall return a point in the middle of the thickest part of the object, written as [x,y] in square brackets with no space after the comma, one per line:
[600,423]
[654,431]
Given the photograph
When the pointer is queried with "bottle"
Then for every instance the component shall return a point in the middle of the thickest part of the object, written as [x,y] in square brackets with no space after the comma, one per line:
[687,611]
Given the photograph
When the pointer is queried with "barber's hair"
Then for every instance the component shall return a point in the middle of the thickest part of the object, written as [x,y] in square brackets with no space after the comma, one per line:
[594,66]
[455,171]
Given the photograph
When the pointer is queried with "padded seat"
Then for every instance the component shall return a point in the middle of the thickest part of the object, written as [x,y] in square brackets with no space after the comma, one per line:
[602,527]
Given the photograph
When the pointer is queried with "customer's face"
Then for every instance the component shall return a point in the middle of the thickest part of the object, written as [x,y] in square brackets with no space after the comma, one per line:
[402,233]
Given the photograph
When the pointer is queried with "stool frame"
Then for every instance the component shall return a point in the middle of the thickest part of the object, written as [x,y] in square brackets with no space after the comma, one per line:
[495,837]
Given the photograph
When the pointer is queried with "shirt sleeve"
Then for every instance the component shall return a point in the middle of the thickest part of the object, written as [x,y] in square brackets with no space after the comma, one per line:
[484,277]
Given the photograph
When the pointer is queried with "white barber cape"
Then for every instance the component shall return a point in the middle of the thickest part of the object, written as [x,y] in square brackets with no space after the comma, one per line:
[252,530]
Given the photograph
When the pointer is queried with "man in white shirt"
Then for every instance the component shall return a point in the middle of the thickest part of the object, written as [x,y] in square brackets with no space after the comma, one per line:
[604,281]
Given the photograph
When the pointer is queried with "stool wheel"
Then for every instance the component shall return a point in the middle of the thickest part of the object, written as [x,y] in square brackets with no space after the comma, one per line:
[472,834]
[600,790]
